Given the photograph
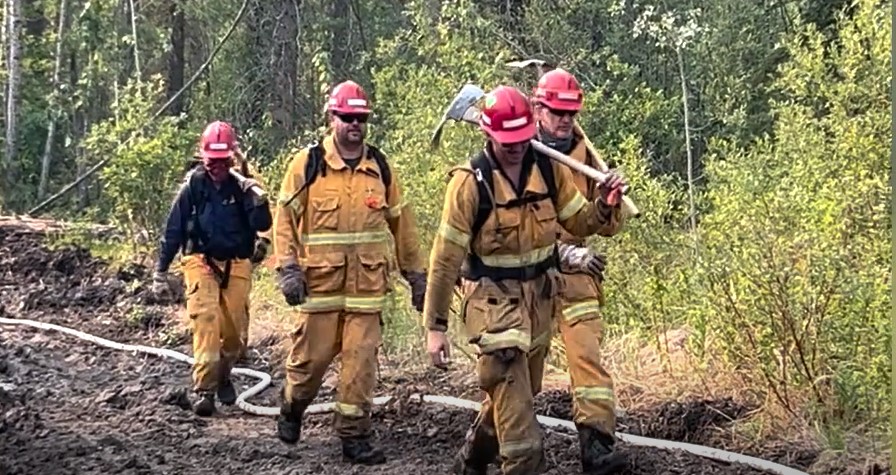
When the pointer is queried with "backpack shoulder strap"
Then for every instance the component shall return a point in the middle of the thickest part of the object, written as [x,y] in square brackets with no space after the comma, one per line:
[482,170]
[547,172]
[385,172]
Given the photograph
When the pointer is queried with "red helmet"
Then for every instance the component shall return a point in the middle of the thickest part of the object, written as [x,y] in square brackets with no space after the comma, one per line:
[507,116]
[558,89]
[348,98]
[218,140]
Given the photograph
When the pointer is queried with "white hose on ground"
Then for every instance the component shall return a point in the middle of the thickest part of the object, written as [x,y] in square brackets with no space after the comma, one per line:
[322,408]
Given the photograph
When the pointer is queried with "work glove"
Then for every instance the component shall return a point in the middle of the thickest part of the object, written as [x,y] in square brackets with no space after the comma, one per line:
[261,250]
[611,189]
[160,288]
[292,284]
[417,281]
[582,260]
[247,185]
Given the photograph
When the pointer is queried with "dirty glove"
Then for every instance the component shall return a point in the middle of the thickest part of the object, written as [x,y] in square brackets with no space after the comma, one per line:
[261,250]
[417,281]
[611,189]
[292,284]
[582,260]
[160,288]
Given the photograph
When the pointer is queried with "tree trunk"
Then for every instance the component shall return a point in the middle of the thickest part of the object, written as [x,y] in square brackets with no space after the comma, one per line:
[14,9]
[176,61]
[687,137]
[283,61]
[55,108]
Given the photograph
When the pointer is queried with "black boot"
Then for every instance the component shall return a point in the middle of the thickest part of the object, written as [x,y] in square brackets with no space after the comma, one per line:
[226,392]
[204,403]
[289,422]
[597,452]
[360,450]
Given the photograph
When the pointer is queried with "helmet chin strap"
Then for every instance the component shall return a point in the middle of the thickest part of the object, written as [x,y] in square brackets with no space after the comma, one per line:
[558,144]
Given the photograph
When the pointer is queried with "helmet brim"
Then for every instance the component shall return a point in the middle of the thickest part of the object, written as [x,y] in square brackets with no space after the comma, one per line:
[351,110]
[561,105]
[522,134]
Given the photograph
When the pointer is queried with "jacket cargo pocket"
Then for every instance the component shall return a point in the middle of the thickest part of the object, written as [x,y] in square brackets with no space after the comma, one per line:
[325,272]
[324,213]
[372,272]
[494,321]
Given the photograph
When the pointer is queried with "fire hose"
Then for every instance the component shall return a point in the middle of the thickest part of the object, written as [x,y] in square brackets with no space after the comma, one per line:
[322,408]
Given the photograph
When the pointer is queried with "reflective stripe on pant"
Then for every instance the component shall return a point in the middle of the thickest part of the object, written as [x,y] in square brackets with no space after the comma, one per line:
[580,326]
[316,341]
[511,325]
[216,317]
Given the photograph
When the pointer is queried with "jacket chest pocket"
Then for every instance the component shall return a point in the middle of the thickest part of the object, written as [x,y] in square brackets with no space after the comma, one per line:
[501,231]
[373,202]
[545,228]
[324,213]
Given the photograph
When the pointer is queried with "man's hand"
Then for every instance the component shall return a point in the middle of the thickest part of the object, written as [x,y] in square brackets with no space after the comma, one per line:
[417,281]
[292,284]
[582,260]
[261,250]
[611,189]
[160,288]
[438,348]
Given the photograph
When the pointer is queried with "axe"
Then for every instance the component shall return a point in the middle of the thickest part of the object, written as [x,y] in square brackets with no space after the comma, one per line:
[239,176]
[542,67]
[463,109]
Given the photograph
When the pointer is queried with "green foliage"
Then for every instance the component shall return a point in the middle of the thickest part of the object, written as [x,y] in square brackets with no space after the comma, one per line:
[145,161]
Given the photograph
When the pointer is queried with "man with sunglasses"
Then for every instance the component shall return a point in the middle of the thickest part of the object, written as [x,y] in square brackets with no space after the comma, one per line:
[499,233]
[340,226]
[557,100]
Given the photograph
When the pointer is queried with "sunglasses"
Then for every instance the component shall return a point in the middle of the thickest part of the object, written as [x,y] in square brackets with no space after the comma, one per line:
[562,113]
[350,118]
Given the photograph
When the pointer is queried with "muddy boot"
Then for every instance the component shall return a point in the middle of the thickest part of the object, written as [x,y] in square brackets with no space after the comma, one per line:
[480,448]
[289,422]
[204,403]
[597,452]
[360,450]
[226,392]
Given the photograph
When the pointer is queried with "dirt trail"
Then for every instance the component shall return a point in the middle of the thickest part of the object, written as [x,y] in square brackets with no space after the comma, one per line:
[69,406]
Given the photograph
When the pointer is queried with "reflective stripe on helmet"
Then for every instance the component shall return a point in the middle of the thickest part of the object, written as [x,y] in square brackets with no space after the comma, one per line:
[218,146]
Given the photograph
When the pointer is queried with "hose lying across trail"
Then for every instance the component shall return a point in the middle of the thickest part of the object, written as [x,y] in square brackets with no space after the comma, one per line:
[265,381]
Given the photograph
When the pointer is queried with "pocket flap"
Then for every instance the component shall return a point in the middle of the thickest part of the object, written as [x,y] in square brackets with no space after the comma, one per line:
[326,203]
[507,218]
[371,259]
[324,260]
[544,211]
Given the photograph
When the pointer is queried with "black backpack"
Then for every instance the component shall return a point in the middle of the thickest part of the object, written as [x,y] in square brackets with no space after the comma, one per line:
[482,170]
[316,167]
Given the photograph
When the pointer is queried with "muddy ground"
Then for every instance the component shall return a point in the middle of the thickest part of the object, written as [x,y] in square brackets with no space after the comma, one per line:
[70,406]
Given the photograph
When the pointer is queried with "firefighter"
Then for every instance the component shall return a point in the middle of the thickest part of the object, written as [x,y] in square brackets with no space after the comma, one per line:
[498,232]
[213,223]
[341,228]
[557,100]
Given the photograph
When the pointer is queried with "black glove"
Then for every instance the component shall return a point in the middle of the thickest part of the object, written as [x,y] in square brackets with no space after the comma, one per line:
[417,281]
[292,284]
[261,250]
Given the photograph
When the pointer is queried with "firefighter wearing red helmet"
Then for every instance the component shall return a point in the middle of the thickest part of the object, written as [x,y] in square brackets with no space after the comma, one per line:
[213,223]
[498,233]
[558,98]
[346,203]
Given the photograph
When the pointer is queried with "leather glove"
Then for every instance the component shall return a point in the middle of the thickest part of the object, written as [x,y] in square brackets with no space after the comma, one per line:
[292,284]
[417,281]
[582,260]
[247,185]
[160,288]
[611,190]
[261,250]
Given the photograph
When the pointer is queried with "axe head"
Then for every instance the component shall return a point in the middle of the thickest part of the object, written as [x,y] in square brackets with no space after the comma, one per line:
[460,109]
